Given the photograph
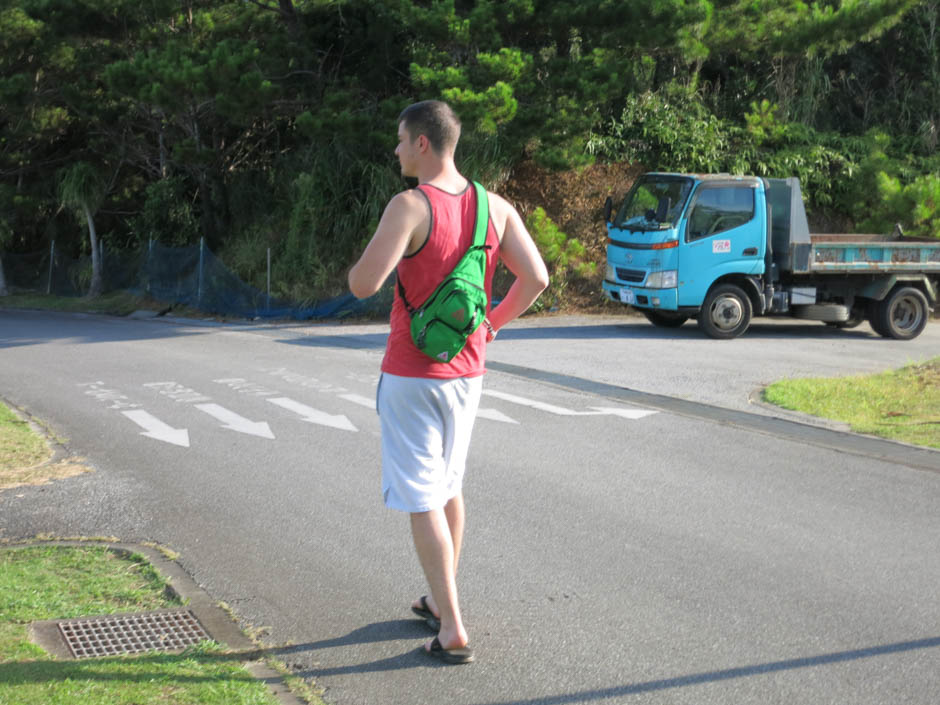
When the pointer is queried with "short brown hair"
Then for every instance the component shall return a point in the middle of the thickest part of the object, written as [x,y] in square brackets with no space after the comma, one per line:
[435,120]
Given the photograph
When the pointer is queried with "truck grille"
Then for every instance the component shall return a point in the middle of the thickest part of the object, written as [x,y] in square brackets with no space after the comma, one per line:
[634,276]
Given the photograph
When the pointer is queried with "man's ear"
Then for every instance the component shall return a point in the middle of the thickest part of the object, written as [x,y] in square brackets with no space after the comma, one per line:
[423,143]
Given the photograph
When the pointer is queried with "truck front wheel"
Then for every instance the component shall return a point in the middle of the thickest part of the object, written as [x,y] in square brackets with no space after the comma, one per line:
[726,312]
[902,315]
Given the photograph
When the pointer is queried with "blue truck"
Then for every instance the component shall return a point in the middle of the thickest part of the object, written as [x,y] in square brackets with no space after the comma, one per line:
[722,249]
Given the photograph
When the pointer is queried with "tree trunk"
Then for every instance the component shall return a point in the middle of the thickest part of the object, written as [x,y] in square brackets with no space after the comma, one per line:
[162,154]
[3,281]
[97,282]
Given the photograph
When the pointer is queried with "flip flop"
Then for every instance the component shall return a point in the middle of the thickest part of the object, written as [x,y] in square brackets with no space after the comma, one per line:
[452,656]
[427,615]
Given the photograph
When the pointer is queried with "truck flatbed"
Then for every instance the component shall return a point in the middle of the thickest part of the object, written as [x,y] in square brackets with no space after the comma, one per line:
[852,253]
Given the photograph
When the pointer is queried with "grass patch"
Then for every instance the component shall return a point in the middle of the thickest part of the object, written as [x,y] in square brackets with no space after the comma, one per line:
[54,582]
[116,303]
[25,455]
[902,405]
[63,582]
[20,446]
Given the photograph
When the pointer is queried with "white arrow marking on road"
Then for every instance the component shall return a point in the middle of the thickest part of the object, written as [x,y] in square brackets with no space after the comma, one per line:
[314,415]
[541,406]
[155,428]
[494,415]
[360,400]
[625,413]
[561,411]
[234,422]
[491,414]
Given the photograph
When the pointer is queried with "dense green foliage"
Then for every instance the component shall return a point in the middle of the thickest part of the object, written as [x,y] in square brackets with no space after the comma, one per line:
[564,257]
[263,123]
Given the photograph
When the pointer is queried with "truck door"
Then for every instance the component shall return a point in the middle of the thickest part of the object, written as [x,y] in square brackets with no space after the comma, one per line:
[724,234]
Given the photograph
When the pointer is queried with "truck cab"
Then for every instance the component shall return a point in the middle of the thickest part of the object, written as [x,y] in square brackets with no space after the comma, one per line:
[675,235]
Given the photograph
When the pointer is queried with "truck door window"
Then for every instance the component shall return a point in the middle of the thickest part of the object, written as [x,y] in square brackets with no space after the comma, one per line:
[721,208]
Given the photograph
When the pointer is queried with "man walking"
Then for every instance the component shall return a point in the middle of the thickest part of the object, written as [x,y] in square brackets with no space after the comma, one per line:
[427,408]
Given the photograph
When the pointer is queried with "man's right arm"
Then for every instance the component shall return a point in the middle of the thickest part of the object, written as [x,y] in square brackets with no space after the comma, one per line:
[520,255]
[403,217]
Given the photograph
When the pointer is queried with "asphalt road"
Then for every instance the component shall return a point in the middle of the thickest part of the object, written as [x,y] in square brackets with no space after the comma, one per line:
[638,530]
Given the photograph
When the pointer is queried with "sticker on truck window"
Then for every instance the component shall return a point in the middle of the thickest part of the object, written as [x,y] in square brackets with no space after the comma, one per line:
[721,246]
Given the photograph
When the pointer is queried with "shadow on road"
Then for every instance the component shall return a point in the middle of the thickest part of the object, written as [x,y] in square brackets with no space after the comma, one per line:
[355,341]
[395,630]
[638,330]
[42,327]
[392,630]
[727,674]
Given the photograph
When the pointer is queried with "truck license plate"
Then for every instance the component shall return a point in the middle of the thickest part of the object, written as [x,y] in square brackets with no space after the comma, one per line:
[627,296]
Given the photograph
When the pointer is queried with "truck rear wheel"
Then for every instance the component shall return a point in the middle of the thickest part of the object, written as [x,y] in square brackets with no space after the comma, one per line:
[873,319]
[902,314]
[664,319]
[726,312]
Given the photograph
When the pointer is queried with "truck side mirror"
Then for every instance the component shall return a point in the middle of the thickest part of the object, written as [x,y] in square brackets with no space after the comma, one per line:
[608,208]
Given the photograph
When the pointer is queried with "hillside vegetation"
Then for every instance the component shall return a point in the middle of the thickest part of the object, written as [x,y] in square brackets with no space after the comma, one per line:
[259,124]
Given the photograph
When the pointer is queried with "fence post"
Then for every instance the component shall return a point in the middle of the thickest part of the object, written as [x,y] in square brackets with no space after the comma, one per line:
[202,247]
[268,304]
[149,256]
[51,262]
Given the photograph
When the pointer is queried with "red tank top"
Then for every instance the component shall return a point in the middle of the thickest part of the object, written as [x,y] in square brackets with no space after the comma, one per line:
[452,221]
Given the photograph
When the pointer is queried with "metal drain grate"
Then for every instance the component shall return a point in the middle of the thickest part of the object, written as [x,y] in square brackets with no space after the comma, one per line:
[131,634]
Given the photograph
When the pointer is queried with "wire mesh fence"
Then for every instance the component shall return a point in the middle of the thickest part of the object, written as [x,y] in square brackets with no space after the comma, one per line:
[192,276]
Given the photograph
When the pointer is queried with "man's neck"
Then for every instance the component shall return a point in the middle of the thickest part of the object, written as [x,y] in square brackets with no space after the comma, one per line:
[442,174]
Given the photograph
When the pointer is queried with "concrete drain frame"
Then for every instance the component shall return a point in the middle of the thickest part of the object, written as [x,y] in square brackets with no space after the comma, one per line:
[113,635]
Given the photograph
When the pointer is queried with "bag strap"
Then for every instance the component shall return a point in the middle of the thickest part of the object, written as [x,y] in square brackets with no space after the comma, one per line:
[480,227]
[483,216]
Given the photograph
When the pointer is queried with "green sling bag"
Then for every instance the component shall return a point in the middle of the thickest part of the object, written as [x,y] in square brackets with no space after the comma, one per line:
[452,313]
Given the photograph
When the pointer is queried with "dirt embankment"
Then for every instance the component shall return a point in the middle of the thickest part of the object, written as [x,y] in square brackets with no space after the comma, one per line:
[574,200]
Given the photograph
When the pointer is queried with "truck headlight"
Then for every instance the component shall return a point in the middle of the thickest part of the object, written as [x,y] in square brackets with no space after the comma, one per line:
[609,274]
[662,280]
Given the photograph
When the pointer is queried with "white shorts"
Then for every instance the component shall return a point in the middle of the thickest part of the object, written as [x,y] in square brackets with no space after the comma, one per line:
[426,427]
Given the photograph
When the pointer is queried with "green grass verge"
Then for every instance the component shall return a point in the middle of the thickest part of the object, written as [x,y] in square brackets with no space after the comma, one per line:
[117,303]
[114,303]
[20,446]
[26,458]
[52,582]
[903,405]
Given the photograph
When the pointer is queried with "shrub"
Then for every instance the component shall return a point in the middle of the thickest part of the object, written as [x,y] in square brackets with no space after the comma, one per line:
[915,206]
[668,129]
[563,257]
[167,214]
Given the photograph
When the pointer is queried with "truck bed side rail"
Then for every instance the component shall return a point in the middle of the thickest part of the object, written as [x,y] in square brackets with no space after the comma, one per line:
[865,257]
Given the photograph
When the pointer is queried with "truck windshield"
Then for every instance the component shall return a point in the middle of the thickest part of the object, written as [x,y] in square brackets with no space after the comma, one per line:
[654,203]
